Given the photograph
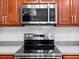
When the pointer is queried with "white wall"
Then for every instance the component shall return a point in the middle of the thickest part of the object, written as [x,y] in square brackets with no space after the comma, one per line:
[17,33]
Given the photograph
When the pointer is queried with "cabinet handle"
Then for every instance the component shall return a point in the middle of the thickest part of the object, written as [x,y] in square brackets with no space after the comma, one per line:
[75,19]
[72,19]
[5,19]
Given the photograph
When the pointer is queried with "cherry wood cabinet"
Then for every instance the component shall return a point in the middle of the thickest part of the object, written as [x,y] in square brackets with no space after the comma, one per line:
[6,57]
[68,12]
[47,1]
[11,12]
[29,1]
[76,12]
[1,12]
[70,57]
[65,12]
[37,1]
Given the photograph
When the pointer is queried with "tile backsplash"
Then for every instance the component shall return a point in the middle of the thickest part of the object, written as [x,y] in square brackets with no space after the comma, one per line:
[61,33]
[67,33]
[17,33]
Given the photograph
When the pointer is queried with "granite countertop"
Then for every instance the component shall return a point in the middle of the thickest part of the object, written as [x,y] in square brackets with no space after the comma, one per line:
[68,48]
[9,49]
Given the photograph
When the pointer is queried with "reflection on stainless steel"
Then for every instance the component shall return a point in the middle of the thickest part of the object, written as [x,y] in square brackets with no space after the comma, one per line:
[50,52]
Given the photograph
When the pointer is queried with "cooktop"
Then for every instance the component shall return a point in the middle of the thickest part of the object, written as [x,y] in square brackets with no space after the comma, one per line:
[25,51]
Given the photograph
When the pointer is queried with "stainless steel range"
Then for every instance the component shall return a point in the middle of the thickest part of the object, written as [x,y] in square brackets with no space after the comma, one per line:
[38,46]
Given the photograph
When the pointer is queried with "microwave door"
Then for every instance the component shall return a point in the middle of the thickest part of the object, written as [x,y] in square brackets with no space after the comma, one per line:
[52,14]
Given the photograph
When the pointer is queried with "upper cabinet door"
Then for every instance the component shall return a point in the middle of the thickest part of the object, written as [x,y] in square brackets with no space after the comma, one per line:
[47,1]
[65,15]
[11,12]
[76,11]
[1,12]
[29,1]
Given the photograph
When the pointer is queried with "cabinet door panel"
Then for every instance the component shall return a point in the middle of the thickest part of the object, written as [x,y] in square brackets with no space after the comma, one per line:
[6,57]
[76,12]
[11,12]
[1,12]
[65,15]
[70,57]
[47,1]
[29,1]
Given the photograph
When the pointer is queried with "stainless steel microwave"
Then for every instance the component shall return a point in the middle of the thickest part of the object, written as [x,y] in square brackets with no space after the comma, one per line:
[39,13]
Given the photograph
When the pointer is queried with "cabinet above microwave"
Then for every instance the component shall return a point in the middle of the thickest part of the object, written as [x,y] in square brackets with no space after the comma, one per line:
[39,13]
